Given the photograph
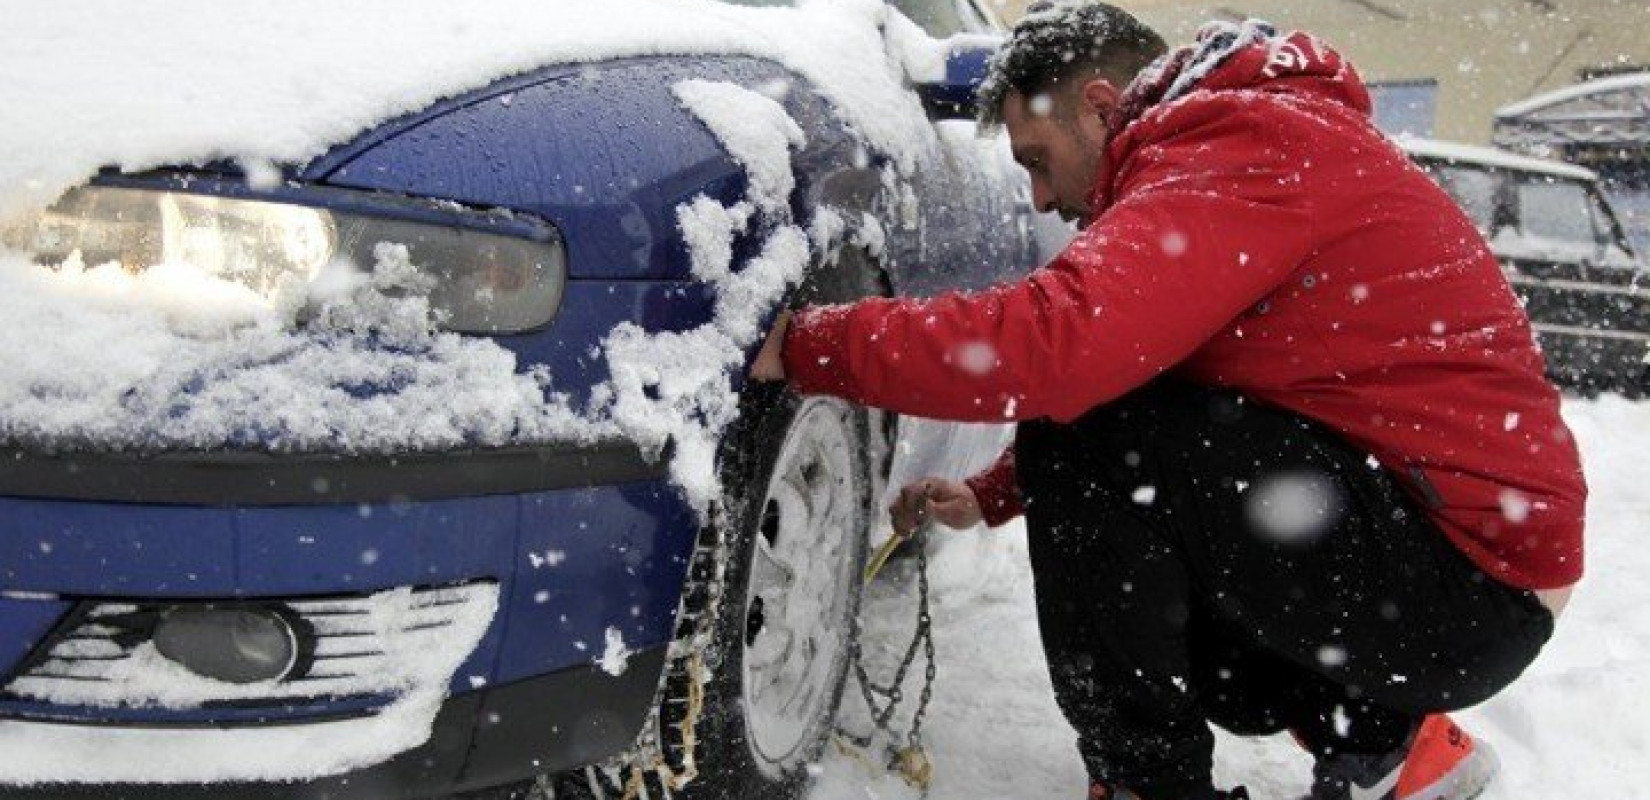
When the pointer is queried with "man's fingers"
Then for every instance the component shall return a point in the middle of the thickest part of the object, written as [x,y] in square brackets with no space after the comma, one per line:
[928,498]
[770,362]
[957,510]
[949,510]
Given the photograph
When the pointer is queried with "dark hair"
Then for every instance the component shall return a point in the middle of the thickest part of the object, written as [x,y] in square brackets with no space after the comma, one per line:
[1058,40]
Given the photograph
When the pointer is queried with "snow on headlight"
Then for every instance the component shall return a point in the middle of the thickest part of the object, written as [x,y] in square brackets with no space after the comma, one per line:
[174,357]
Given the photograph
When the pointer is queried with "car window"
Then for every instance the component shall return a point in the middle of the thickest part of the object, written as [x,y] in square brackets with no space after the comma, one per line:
[1632,212]
[940,18]
[1606,226]
[1556,209]
[1474,189]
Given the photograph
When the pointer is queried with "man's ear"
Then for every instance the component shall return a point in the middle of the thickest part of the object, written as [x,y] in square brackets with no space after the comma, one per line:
[1100,96]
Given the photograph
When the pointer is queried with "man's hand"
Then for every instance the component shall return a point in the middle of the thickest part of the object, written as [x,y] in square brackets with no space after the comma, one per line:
[952,503]
[769,366]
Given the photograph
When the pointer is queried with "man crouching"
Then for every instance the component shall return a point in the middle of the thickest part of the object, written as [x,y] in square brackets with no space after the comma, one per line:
[1286,453]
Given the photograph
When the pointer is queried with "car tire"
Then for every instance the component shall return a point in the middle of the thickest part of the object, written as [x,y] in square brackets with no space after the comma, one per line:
[757,454]
[729,766]
[797,477]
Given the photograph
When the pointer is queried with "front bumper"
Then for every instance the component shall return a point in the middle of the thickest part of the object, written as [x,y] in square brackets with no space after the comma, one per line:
[480,739]
[260,479]
[582,548]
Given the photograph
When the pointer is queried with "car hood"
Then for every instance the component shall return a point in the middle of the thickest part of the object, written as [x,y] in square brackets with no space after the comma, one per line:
[282,85]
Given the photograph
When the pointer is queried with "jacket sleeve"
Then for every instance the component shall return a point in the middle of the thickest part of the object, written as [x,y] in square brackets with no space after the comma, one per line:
[997,490]
[1207,226]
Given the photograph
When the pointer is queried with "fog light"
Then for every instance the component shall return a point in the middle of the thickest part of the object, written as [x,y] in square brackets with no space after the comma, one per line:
[233,645]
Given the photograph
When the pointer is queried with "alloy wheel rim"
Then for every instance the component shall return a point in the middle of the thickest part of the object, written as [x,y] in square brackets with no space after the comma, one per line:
[798,595]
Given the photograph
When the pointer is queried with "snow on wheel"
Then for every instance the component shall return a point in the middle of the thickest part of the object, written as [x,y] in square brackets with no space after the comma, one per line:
[798,478]
[800,588]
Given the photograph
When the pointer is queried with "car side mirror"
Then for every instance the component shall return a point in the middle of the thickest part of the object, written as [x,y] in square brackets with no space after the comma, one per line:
[967,59]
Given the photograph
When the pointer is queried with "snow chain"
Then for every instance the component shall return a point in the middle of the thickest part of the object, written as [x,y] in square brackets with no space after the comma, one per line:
[687,673]
[674,778]
[701,603]
[911,761]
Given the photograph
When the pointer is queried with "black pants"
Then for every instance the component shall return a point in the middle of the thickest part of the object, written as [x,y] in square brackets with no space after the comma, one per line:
[1202,558]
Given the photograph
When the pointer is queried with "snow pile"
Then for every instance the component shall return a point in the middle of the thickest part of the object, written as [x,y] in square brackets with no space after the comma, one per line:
[615,658]
[745,122]
[172,358]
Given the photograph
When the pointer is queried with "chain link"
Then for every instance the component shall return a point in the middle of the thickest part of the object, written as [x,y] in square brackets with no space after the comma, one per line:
[701,603]
[922,640]
[925,628]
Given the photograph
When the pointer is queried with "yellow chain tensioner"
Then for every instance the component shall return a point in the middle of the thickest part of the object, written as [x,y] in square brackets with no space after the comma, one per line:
[911,762]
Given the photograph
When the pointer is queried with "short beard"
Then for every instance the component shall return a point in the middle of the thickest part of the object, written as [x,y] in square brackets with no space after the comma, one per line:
[1081,214]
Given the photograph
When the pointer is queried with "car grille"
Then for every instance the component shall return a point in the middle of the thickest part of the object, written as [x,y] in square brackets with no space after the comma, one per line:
[384,644]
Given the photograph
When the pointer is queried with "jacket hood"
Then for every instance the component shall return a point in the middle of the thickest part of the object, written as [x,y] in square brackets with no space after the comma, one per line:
[1253,55]
[1226,57]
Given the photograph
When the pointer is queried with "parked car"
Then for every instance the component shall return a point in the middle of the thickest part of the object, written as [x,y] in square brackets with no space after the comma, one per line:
[1565,254]
[286,594]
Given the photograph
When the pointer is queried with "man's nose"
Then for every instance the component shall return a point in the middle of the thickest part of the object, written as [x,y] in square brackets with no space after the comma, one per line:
[1042,198]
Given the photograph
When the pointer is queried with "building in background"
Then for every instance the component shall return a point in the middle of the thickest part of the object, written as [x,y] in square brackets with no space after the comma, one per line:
[1407,108]
[1440,67]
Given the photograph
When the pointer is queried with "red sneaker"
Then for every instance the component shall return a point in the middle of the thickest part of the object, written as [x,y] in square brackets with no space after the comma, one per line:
[1100,791]
[1440,762]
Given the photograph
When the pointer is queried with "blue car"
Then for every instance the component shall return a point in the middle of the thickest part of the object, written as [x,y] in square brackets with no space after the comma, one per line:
[254,621]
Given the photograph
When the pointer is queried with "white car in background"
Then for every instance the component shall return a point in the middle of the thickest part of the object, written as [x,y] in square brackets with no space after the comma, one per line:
[1565,254]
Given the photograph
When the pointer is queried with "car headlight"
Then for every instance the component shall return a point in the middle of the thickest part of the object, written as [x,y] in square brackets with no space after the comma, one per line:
[484,282]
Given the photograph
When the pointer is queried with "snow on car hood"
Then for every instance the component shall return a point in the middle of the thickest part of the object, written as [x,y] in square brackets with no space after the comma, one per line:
[94,83]
[98,358]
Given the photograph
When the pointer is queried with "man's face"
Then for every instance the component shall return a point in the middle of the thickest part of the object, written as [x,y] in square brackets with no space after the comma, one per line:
[1060,138]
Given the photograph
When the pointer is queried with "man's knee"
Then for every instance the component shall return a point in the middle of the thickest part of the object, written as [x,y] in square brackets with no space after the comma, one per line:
[1109,435]
[1163,417]
[1244,709]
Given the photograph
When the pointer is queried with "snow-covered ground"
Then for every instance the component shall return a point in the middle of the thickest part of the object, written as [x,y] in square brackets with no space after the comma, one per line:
[1576,725]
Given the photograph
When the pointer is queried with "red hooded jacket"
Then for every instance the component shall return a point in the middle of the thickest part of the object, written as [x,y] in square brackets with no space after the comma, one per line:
[1257,233]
